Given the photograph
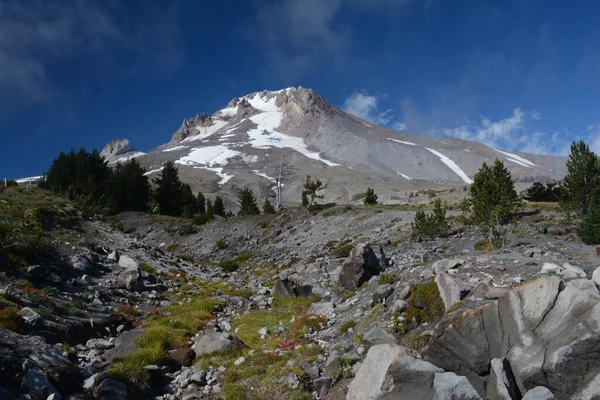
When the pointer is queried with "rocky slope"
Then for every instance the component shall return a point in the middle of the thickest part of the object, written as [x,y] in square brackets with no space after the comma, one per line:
[244,144]
[119,150]
[336,304]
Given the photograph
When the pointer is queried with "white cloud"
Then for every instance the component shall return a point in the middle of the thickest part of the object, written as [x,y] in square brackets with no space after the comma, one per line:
[364,106]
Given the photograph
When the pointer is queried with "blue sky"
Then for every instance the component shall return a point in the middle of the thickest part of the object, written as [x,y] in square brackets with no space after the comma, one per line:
[519,75]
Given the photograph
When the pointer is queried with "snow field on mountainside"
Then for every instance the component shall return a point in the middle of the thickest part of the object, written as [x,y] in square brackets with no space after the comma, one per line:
[452,165]
[517,159]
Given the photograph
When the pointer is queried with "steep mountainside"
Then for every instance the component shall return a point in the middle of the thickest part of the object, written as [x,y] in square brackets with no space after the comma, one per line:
[244,143]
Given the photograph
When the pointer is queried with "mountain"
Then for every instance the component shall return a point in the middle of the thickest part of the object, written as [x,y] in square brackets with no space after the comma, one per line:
[119,150]
[245,142]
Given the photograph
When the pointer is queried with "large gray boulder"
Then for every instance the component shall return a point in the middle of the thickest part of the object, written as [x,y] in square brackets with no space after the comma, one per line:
[449,289]
[360,266]
[82,264]
[128,262]
[389,367]
[538,393]
[217,342]
[448,385]
[37,384]
[131,279]
[110,389]
[303,281]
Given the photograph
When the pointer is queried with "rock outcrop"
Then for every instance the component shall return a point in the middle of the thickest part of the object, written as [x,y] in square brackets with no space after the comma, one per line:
[360,266]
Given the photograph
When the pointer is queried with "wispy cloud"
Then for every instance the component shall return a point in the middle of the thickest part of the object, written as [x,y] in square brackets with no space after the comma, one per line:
[35,34]
[364,106]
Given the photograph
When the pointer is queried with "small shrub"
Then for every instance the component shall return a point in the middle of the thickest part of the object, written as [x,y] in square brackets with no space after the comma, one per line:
[245,256]
[148,268]
[229,265]
[425,304]
[344,369]
[430,225]
[11,320]
[346,326]
[222,243]
[386,278]
[588,229]
[343,250]
[415,342]
[200,219]
[397,324]
[128,310]
[173,247]
[370,197]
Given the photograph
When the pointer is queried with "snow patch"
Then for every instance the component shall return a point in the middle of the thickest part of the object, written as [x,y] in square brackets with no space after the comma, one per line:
[265,136]
[229,112]
[211,155]
[153,171]
[452,165]
[402,141]
[517,159]
[175,148]
[518,162]
[206,131]
[219,171]
[256,172]
[127,157]
[404,176]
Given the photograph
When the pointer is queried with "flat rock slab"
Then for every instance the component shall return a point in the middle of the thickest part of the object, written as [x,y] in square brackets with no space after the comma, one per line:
[123,345]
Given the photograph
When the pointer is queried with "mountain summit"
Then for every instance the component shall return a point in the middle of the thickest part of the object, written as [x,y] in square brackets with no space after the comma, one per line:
[245,142]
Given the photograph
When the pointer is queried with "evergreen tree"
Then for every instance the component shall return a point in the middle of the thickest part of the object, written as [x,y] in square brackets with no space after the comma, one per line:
[189,201]
[588,229]
[201,203]
[127,188]
[209,210]
[311,191]
[219,207]
[493,194]
[247,201]
[268,207]
[540,192]
[371,197]
[168,193]
[580,189]
[430,225]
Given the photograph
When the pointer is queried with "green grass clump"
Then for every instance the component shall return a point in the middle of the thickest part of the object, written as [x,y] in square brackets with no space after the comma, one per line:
[11,320]
[128,310]
[386,278]
[229,265]
[222,243]
[415,342]
[344,368]
[173,247]
[425,304]
[245,256]
[346,325]
[164,331]
[343,249]
[148,268]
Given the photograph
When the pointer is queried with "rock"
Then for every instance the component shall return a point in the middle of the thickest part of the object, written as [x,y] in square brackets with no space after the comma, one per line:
[549,268]
[49,357]
[127,262]
[99,344]
[376,336]
[82,264]
[446,265]
[37,272]
[239,361]
[385,365]
[114,256]
[124,345]
[131,279]
[54,396]
[216,342]
[293,381]
[31,318]
[53,278]
[360,266]
[404,293]
[326,309]
[111,389]
[263,331]
[449,289]
[448,385]
[596,276]
[496,292]
[183,356]
[382,292]
[67,379]
[86,279]
[37,384]
[426,274]
[538,393]
[399,306]
[303,281]
[199,378]
[501,384]
[322,385]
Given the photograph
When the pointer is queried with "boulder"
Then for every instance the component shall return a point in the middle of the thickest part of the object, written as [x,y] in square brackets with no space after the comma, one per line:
[99,344]
[326,309]
[37,384]
[114,255]
[360,266]
[448,385]
[382,292]
[127,262]
[82,264]
[48,358]
[303,281]
[217,342]
[596,276]
[449,289]
[31,317]
[501,383]
[111,389]
[131,279]
[446,265]
[383,364]
[376,336]
[538,393]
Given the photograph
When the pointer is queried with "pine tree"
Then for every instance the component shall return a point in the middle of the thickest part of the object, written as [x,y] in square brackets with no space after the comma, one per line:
[127,188]
[201,203]
[493,194]
[588,229]
[580,189]
[430,225]
[371,197]
[311,191]
[247,201]
[540,192]
[209,210]
[268,207]
[188,201]
[168,193]
[219,207]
